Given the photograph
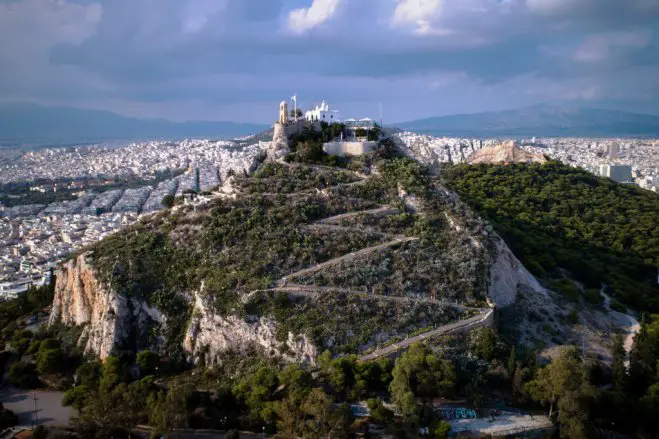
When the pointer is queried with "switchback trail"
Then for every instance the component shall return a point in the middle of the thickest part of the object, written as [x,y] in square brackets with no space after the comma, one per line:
[469,323]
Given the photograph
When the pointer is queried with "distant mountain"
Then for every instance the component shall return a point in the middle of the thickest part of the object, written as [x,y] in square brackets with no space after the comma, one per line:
[539,120]
[29,121]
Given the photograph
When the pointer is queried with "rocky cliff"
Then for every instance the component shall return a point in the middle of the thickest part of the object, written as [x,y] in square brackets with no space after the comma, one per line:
[108,318]
[113,322]
[209,335]
[508,276]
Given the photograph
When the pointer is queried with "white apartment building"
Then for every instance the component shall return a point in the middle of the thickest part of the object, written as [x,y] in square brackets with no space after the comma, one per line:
[619,173]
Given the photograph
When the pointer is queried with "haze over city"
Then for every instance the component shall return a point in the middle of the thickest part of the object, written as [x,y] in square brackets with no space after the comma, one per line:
[228,60]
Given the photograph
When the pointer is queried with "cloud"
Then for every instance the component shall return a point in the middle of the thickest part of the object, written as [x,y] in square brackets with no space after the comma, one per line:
[204,58]
[602,47]
[304,19]
[417,13]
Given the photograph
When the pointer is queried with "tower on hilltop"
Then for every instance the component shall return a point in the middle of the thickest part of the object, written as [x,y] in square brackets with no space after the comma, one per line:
[283,113]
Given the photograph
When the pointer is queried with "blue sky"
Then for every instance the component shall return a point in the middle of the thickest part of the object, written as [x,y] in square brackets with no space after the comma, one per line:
[236,59]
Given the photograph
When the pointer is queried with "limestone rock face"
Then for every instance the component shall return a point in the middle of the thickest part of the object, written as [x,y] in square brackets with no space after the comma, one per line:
[507,275]
[113,322]
[209,335]
[108,318]
[507,152]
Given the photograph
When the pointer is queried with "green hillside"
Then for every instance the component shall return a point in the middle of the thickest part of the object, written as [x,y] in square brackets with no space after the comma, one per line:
[248,246]
[557,219]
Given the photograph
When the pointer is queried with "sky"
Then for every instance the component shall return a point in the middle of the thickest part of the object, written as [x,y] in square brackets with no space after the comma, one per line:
[237,59]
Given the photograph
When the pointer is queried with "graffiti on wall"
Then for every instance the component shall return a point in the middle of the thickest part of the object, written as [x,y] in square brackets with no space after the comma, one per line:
[452,413]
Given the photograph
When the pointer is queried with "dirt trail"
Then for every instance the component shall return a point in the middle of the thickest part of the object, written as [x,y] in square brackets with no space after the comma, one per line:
[626,321]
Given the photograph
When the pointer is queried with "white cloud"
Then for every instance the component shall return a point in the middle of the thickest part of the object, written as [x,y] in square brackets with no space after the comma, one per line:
[304,19]
[601,47]
[418,13]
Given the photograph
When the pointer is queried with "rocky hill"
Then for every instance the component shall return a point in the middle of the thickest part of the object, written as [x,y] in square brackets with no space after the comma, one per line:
[299,259]
[505,153]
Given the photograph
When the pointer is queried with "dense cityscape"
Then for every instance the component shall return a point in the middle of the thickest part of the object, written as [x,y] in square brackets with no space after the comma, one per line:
[595,155]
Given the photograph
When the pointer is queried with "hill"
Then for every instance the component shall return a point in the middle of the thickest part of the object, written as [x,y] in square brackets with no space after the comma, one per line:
[303,260]
[539,120]
[29,121]
[564,223]
[506,153]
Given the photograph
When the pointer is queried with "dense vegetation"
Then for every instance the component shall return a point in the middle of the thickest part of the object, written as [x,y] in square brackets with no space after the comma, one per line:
[36,356]
[557,218]
[277,178]
[250,392]
[584,398]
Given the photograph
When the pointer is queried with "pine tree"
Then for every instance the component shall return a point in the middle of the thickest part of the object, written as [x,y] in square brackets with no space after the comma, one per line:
[512,361]
[564,385]
[642,362]
[618,366]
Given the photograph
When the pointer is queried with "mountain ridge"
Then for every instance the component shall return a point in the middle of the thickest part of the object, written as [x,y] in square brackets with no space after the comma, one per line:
[539,120]
[25,120]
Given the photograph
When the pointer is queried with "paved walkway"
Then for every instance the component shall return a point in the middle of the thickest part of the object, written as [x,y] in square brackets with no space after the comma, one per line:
[383,211]
[471,323]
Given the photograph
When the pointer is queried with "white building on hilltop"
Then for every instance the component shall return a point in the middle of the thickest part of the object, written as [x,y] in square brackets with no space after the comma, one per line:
[322,113]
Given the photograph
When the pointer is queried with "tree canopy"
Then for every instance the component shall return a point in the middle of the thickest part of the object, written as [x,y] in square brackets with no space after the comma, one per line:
[554,218]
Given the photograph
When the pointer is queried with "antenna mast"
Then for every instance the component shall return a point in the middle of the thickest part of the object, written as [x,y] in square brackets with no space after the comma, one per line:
[381,126]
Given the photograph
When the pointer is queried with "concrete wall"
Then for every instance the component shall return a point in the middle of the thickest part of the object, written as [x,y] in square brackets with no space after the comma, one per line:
[349,148]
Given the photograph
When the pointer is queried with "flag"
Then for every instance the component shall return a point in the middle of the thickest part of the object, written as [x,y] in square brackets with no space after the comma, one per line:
[294,98]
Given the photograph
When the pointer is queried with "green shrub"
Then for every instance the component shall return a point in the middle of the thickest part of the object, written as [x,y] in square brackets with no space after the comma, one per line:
[148,362]
[24,375]
[50,361]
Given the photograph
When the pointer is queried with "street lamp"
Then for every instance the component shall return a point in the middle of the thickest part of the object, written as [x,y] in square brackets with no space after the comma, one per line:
[36,416]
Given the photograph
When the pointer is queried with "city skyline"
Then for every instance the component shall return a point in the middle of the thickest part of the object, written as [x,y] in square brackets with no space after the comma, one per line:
[229,60]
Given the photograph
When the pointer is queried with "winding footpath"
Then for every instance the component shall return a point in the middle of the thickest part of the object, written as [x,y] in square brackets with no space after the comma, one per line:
[626,321]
